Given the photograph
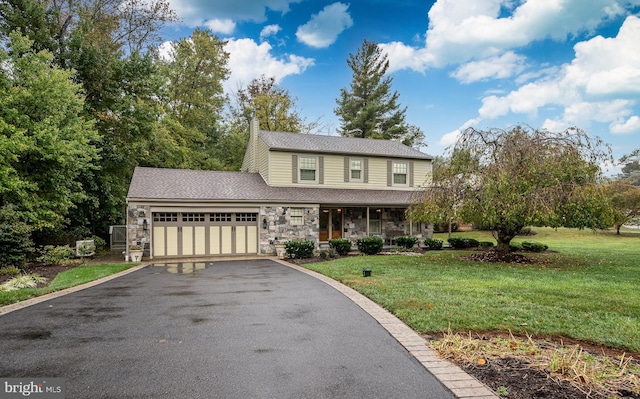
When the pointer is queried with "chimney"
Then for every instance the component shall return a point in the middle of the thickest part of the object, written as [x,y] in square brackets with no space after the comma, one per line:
[254,130]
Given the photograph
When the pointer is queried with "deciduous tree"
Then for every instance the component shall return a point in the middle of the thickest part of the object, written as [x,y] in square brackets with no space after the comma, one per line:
[45,141]
[625,199]
[505,180]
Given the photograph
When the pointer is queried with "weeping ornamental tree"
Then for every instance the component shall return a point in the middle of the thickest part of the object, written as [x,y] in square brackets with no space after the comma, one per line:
[505,180]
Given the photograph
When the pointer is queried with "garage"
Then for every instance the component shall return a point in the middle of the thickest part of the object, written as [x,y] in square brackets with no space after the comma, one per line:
[184,234]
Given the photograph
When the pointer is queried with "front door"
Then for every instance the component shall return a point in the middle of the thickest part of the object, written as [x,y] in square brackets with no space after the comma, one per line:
[330,223]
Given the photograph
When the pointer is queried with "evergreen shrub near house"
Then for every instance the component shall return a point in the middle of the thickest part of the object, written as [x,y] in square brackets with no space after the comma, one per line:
[370,245]
[299,249]
[534,246]
[406,241]
[463,243]
[433,244]
[486,244]
[342,246]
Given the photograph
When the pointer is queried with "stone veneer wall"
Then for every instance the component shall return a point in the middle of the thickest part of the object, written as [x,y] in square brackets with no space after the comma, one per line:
[279,228]
[136,235]
[355,223]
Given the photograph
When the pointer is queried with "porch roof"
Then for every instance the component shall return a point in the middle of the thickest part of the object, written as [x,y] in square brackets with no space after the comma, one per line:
[158,184]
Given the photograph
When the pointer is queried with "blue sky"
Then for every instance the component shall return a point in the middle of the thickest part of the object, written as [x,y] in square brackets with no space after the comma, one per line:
[455,63]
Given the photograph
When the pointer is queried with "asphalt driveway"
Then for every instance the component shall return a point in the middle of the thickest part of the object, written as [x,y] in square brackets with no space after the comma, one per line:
[232,329]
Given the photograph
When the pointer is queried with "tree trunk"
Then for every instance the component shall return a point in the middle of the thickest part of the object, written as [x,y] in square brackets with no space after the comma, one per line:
[504,237]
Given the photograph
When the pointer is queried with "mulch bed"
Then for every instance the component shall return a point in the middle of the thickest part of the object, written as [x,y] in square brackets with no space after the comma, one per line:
[47,271]
[521,380]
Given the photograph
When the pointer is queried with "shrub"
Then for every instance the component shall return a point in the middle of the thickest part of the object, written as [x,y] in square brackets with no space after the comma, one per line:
[515,246]
[462,243]
[370,245]
[534,246]
[406,241]
[15,238]
[433,243]
[20,282]
[341,245]
[54,255]
[300,249]
[9,271]
[99,243]
[486,244]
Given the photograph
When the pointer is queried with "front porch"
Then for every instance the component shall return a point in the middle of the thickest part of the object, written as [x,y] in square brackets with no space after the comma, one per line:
[356,222]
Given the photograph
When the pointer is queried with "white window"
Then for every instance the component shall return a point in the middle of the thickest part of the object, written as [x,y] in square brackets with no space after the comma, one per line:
[296,216]
[400,173]
[308,169]
[356,170]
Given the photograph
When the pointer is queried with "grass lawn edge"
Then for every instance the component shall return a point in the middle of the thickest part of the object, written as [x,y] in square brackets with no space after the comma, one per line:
[45,297]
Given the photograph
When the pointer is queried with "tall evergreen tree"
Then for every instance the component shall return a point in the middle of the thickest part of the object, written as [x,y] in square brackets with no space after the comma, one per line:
[369,108]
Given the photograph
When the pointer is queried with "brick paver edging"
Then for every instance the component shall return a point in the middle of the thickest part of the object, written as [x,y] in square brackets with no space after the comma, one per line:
[451,376]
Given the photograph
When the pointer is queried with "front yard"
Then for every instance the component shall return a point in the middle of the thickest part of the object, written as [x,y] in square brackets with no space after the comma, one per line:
[584,288]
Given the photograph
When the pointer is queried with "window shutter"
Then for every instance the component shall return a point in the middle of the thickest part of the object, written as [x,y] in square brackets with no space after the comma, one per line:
[389,173]
[321,169]
[294,168]
[410,172]
[347,169]
[365,166]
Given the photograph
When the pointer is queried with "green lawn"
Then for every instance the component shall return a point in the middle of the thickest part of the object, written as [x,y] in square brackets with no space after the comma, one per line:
[588,290]
[69,278]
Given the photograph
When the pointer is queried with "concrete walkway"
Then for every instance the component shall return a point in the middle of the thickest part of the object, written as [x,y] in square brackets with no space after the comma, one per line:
[457,381]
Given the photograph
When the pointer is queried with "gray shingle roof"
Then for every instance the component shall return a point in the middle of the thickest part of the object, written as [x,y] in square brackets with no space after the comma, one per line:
[338,145]
[199,185]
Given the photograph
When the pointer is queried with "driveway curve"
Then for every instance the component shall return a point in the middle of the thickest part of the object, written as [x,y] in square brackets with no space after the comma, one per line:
[224,329]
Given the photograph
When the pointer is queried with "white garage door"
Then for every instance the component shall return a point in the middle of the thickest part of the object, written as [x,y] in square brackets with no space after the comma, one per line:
[177,234]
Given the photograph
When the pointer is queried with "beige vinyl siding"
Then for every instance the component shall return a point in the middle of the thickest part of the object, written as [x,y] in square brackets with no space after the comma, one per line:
[280,168]
[263,160]
[281,171]
[421,173]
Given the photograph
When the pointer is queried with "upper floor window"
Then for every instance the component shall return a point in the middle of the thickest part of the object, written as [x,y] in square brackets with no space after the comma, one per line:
[356,170]
[308,168]
[400,173]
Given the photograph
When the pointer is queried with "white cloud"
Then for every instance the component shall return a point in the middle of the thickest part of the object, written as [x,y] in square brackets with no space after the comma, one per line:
[631,125]
[249,60]
[402,56]
[609,66]
[601,84]
[500,67]
[323,28]
[224,26]
[195,12]
[269,30]
[451,137]
[464,30]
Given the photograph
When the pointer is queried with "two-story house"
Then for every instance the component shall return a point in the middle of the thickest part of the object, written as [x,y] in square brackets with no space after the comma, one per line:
[292,186]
